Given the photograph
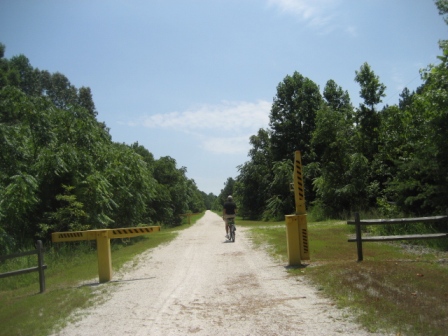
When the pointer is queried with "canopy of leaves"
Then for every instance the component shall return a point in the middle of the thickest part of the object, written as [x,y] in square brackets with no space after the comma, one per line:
[60,169]
[353,158]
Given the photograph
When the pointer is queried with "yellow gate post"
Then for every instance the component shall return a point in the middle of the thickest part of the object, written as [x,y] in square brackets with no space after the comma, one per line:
[292,240]
[104,255]
[296,225]
[103,238]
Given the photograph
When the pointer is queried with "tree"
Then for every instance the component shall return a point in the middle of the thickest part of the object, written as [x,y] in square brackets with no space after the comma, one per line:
[172,197]
[332,141]
[442,6]
[367,117]
[292,122]
[85,100]
[252,182]
[60,170]
[420,186]
[228,190]
[337,99]
[28,77]
[60,91]
[281,201]
[292,118]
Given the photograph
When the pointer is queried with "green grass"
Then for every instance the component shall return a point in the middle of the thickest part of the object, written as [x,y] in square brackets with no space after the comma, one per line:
[71,282]
[394,289]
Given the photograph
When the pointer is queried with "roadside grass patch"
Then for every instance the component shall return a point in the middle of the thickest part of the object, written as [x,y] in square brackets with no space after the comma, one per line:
[71,283]
[396,289]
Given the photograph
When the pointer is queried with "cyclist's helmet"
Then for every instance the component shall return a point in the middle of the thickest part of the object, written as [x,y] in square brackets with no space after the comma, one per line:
[229,198]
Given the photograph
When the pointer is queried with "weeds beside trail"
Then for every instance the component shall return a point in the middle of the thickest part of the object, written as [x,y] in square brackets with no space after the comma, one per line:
[25,312]
[400,289]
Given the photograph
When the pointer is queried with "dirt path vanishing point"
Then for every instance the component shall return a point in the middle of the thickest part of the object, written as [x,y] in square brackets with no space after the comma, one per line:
[200,284]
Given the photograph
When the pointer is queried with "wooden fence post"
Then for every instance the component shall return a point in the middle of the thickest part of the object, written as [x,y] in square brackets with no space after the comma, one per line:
[358,236]
[40,265]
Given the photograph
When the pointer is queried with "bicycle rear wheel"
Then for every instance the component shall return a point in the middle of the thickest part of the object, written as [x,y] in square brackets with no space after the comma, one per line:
[232,233]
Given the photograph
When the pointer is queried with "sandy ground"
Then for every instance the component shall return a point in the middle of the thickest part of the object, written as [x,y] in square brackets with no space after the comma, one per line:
[200,284]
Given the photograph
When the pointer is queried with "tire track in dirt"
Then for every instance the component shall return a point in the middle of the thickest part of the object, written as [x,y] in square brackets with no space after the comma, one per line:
[199,284]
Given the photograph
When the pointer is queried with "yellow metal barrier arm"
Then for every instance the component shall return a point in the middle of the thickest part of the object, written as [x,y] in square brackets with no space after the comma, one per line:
[103,238]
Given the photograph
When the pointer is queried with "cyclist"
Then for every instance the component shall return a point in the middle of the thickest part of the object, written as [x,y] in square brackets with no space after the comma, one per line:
[228,211]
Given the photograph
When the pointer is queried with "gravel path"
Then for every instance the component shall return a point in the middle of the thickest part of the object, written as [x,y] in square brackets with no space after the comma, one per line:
[199,284]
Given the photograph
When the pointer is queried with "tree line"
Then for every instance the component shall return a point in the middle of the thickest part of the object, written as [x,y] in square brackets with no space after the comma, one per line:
[393,159]
[61,171]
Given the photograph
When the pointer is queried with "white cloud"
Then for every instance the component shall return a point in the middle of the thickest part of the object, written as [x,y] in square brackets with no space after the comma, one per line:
[303,8]
[227,145]
[224,128]
[318,14]
[226,116]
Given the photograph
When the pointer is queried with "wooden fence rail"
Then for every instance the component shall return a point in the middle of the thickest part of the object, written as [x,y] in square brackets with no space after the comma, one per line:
[39,268]
[359,239]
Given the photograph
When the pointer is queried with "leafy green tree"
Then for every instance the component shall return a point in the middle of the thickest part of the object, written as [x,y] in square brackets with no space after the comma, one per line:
[338,100]
[420,185]
[60,170]
[292,118]
[292,123]
[4,67]
[194,196]
[132,186]
[281,201]
[60,91]
[332,143]
[252,182]
[372,91]
[442,6]
[70,216]
[146,155]
[209,200]
[172,200]
[85,100]
[413,142]
[28,76]
[229,187]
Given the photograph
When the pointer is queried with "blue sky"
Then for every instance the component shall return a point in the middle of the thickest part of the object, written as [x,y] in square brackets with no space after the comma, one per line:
[194,79]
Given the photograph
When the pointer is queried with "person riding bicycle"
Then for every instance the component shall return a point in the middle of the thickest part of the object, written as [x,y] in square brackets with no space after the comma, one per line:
[228,211]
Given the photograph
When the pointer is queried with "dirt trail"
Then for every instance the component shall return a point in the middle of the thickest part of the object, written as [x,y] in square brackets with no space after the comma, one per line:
[199,284]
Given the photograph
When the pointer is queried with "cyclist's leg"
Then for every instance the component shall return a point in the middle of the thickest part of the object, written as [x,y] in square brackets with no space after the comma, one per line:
[226,225]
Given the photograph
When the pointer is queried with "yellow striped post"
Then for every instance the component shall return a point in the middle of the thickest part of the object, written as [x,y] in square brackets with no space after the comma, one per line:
[296,225]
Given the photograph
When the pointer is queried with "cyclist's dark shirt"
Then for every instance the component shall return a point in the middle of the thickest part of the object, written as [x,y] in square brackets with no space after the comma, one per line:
[230,208]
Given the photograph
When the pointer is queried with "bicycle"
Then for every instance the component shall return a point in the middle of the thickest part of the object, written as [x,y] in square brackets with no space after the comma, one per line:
[232,229]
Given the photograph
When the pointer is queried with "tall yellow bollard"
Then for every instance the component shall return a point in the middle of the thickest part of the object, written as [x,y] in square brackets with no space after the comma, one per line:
[296,225]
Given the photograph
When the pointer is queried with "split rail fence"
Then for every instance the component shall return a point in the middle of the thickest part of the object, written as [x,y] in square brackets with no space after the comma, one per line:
[359,239]
[39,268]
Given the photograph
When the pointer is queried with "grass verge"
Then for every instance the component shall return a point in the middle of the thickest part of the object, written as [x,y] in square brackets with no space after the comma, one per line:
[397,289]
[71,283]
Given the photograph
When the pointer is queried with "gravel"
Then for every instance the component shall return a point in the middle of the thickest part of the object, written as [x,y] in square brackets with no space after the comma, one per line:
[201,284]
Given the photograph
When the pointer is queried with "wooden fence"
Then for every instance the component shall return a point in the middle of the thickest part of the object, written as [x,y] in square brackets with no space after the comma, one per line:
[359,239]
[39,268]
